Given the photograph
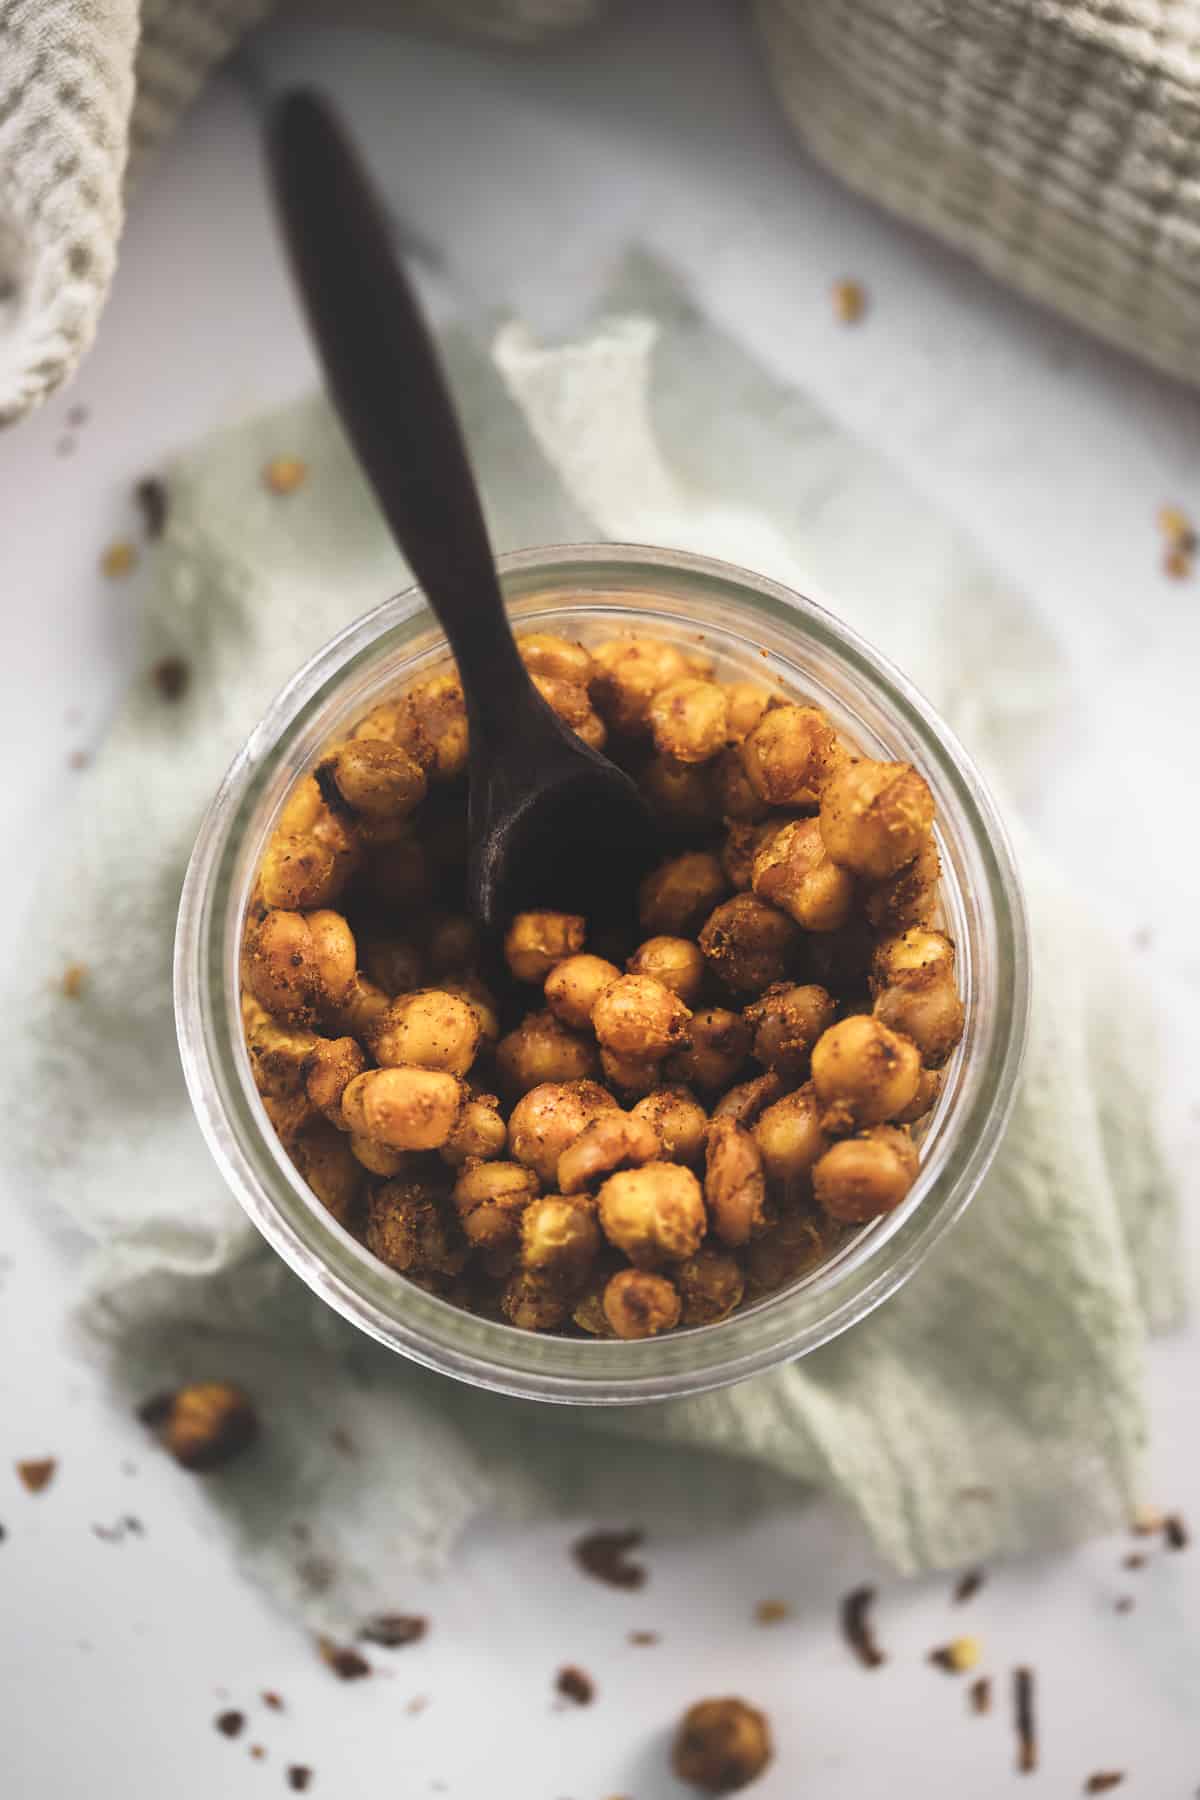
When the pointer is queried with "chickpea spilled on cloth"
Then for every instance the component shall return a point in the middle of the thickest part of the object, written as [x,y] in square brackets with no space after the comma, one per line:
[594,1134]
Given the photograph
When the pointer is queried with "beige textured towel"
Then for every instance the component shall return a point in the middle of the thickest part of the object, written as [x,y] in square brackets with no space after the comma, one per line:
[1056,141]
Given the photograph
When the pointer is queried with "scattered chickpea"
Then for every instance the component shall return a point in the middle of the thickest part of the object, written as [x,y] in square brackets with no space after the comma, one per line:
[909,897]
[490,1198]
[203,1425]
[613,1140]
[298,871]
[787,1021]
[479,1135]
[544,653]
[655,1214]
[534,1302]
[542,1049]
[689,720]
[325,1160]
[431,724]
[372,777]
[633,1076]
[721,1745]
[748,943]
[331,1066]
[734,1183]
[863,1073]
[629,673]
[574,985]
[677,1120]
[861,1177]
[407,1109]
[482,1001]
[549,1118]
[913,981]
[638,1016]
[795,872]
[875,816]
[790,1140]
[560,1237]
[430,1029]
[718,1045]
[745,704]
[638,1304]
[790,754]
[284,474]
[676,962]
[745,1102]
[538,941]
[710,1284]
[410,1228]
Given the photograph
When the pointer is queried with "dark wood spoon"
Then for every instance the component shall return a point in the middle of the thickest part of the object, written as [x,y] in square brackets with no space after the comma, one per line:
[551,821]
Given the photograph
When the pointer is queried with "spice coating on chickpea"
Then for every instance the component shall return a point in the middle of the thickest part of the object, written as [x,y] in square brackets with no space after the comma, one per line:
[479,1135]
[638,1304]
[794,871]
[676,962]
[735,1187]
[688,719]
[408,1109]
[789,755]
[790,1139]
[549,1118]
[677,1120]
[717,1048]
[332,1066]
[574,985]
[371,777]
[875,817]
[628,674]
[560,1237]
[614,1140]
[490,1198]
[787,1021]
[748,943]
[721,1745]
[863,1073]
[537,941]
[655,1214]
[637,1016]
[862,1177]
[542,1049]
[745,1102]
[410,1229]
[324,1158]
[784,1252]
[430,1029]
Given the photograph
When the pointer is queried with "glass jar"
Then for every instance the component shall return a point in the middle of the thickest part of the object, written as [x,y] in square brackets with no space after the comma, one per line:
[754,628]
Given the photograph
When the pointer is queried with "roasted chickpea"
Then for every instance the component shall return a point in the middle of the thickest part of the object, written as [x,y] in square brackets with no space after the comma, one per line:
[633,1076]
[748,943]
[910,896]
[537,941]
[638,1304]
[480,998]
[787,1021]
[489,1198]
[410,1229]
[407,1109]
[371,777]
[574,985]
[862,1177]
[290,1115]
[863,1073]
[731,792]
[688,719]
[279,1054]
[784,1252]
[480,1133]
[544,653]
[376,1158]
[335,955]
[676,896]
[915,955]
[655,1214]
[541,1049]
[744,1103]
[929,1011]
[551,1116]
[875,816]
[628,674]
[734,1185]
[745,705]
[674,961]
[614,1140]
[279,966]
[572,704]
[795,872]
[721,1745]
[678,1121]
[637,1016]
[431,724]
[298,871]
[710,1286]
[679,794]
[718,1045]
[324,1158]
[332,1067]
[924,1100]
[789,755]
[587,1310]
[451,944]
[360,1011]
[430,1029]
[560,1238]
[790,1139]
[534,1302]
[741,846]
[394,963]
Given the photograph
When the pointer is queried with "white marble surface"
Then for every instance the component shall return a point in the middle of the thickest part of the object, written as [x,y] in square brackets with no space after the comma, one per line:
[532,175]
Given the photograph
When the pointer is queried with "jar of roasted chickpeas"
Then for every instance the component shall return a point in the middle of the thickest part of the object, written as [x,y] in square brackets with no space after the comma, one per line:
[591,1164]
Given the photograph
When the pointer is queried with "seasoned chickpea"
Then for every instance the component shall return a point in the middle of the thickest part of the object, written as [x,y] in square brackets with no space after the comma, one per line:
[748,943]
[679,794]
[428,1030]
[862,1177]
[324,1158]
[635,1076]
[451,944]
[431,724]
[795,871]
[732,794]
[279,1054]
[721,1745]
[929,1011]
[637,1016]
[587,1309]
[674,961]
[741,846]
[410,1228]
[676,896]
[572,704]
[710,1286]
[678,1121]
[628,674]
[301,810]
[875,816]
[560,1238]
[335,955]
[376,1158]
[298,871]
[551,1116]
[371,777]
[359,1012]
[924,1100]
[718,1045]
[688,719]
[394,963]
[480,998]
[489,1198]
[541,1049]
[574,985]
[332,1067]
[910,896]
[863,1073]
[787,1021]
[538,941]
[534,1302]
[480,1133]
[407,1109]
[914,955]
[745,705]
[290,1115]
[638,1304]
[614,1140]
[748,1099]
[734,1184]
[785,1251]
[790,1139]
[279,966]
[655,1214]
[789,755]
[544,653]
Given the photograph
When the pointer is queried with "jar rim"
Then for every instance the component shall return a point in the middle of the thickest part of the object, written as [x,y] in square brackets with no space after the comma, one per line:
[843,1289]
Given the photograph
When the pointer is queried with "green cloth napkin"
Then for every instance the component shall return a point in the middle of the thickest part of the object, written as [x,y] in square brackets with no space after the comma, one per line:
[996,1404]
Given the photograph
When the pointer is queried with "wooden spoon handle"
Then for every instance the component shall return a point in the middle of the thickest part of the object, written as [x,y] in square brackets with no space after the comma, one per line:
[391,395]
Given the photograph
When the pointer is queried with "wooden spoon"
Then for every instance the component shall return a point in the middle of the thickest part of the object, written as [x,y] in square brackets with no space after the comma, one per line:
[551,821]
